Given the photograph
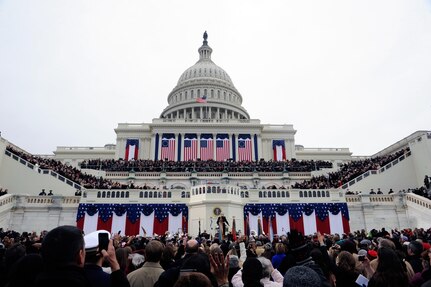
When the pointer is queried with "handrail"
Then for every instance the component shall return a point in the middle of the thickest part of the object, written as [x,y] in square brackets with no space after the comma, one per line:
[43,171]
[373,172]
[418,200]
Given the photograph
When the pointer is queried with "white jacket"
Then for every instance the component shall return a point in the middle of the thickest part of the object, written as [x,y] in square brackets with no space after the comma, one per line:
[266,282]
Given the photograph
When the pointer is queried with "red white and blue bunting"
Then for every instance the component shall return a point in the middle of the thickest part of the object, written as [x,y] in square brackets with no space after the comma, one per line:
[307,218]
[133,219]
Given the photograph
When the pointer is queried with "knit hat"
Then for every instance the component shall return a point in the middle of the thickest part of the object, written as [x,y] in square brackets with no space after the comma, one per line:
[301,276]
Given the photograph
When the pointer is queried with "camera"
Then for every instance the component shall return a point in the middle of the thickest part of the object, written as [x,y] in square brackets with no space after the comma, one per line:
[361,257]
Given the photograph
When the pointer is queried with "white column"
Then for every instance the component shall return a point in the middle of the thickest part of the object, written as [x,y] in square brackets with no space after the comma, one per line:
[159,148]
[236,147]
[214,146]
[182,146]
[252,146]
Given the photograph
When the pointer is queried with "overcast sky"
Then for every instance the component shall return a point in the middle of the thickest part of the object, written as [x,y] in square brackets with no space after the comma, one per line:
[353,74]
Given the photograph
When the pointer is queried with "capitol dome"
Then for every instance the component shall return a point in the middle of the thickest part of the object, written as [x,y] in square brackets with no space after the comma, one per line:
[205,85]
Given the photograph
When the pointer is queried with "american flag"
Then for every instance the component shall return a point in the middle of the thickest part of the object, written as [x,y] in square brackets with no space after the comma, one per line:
[190,149]
[168,149]
[222,149]
[244,149]
[132,149]
[207,149]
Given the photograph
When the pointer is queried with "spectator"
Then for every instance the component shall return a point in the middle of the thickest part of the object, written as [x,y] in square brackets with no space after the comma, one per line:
[150,272]
[279,255]
[301,276]
[345,273]
[389,271]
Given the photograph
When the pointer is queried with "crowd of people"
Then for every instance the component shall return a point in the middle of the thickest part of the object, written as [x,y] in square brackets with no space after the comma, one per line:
[348,171]
[3,191]
[336,179]
[205,165]
[65,257]
[69,172]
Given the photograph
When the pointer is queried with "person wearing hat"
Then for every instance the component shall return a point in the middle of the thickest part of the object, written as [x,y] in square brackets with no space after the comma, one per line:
[94,258]
[301,276]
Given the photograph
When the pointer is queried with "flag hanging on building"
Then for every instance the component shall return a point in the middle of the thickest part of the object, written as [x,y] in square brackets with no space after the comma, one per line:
[190,147]
[307,218]
[206,147]
[222,147]
[168,147]
[133,219]
[202,99]
[279,150]
[132,149]
[244,148]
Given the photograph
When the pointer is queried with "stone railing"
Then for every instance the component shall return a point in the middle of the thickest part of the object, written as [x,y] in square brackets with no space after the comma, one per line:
[7,201]
[417,200]
[375,199]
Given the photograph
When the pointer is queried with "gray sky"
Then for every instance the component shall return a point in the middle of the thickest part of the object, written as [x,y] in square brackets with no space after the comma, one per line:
[351,74]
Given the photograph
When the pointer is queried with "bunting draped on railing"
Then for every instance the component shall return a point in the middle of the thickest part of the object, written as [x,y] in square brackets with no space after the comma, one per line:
[133,219]
[305,217]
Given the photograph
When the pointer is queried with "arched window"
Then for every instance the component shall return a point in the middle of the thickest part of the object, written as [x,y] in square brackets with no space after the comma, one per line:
[287,194]
[327,193]
[146,194]
[309,193]
[260,194]
[118,194]
[300,194]
[183,194]
[314,193]
[318,193]
[103,194]
[242,194]
[278,193]
[150,194]
[98,194]
[305,194]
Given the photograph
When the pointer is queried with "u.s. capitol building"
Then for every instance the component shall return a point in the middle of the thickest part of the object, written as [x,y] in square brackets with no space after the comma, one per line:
[201,158]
